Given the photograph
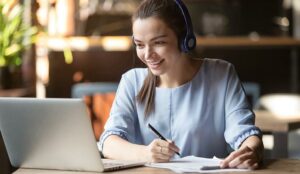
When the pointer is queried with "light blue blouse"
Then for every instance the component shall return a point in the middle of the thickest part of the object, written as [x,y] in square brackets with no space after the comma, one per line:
[202,116]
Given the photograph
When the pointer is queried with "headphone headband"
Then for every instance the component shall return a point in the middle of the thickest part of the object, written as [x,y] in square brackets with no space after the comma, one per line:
[189,41]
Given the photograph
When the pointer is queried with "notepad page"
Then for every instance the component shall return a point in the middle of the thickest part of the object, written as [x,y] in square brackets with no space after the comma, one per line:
[192,164]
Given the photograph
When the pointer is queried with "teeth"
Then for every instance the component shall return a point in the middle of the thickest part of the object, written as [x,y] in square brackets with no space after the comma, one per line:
[155,63]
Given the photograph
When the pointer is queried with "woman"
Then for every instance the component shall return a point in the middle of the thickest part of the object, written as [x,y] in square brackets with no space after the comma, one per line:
[198,104]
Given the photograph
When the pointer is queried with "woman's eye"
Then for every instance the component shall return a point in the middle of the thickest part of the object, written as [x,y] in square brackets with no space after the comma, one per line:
[139,46]
[160,42]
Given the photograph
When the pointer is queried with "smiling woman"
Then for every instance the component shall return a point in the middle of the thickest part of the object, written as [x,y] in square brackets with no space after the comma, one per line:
[204,94]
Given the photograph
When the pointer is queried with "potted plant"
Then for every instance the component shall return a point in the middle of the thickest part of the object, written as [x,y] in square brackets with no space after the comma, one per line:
[15,37]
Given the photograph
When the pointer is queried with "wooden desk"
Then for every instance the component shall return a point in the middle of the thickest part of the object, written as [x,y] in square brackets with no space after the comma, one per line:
[280,128]
[281,166]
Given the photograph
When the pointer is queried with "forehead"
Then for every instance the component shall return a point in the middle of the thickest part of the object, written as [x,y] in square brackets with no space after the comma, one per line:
[149,27]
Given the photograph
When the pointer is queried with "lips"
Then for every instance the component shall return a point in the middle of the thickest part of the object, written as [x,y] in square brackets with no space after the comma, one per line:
[155,64]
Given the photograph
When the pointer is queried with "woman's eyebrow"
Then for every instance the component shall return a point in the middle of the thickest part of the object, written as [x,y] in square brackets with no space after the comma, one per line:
[157,37]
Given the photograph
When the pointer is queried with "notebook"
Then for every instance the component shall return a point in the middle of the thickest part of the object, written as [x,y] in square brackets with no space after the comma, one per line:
[52,134]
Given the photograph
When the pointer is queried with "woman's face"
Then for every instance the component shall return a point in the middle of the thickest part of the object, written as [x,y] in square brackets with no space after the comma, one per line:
[156,45]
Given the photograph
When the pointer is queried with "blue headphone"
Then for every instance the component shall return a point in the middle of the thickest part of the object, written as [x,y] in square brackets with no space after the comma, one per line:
[189,41]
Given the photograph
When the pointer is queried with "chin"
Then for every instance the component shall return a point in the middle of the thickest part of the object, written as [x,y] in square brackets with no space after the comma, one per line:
[156,72]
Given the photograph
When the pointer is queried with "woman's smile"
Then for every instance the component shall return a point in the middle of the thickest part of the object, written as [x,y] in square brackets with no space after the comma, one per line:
[155,64]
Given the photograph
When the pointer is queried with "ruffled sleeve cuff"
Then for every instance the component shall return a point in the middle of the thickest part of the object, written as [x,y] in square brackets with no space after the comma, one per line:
[107,134]
[240,139]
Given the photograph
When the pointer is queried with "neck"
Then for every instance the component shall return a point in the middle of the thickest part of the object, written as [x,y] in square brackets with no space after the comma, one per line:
[183,72]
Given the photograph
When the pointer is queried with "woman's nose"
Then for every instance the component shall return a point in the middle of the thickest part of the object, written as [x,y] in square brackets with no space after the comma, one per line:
[148,53]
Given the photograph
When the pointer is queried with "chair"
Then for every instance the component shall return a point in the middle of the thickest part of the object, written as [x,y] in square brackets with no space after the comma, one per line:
[80,90]
[99,97]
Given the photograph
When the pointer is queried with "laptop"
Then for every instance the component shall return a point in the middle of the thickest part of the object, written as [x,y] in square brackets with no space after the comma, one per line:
[52,134]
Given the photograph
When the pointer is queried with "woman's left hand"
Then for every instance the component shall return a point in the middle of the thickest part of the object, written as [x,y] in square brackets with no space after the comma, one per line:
[243,158]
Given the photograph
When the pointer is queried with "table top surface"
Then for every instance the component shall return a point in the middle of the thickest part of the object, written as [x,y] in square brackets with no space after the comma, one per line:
[279,166]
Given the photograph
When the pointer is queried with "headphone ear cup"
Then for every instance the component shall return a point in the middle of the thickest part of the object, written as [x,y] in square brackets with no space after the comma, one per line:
[183,46]
[191,42]
[188,43]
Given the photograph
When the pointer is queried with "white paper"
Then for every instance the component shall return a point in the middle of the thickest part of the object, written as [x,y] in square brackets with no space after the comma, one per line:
[193,164]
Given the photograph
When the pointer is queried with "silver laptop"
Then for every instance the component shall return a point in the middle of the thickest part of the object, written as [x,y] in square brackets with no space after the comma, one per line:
[52,134]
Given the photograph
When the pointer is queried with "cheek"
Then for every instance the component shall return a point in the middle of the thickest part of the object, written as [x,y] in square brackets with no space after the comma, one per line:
[174,48]
[140,55]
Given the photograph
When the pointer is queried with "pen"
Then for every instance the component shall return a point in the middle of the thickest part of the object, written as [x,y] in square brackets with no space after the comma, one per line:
[210,168]
[159,135]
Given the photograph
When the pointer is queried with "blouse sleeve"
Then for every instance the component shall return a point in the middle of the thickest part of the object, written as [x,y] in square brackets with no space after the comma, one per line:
[122,115]
[240,118]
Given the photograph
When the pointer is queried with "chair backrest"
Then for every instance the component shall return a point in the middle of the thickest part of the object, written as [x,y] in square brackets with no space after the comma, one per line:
[99,97]
[252,91]
[80,90]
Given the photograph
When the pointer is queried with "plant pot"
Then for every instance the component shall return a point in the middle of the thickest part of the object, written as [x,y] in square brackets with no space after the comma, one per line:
[10,77]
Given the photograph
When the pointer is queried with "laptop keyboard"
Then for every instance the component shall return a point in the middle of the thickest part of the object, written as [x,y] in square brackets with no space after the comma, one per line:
[112,165]
[109,165]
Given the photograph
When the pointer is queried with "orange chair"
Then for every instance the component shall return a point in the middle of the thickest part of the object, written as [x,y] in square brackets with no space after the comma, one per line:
[99,98]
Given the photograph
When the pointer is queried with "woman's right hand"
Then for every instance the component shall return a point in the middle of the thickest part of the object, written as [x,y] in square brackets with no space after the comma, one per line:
[161,151]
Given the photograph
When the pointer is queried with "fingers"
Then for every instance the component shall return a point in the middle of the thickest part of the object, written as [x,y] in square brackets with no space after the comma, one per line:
[243,158]
[166,151]
[243,161]
[170,145]
[162,151]
[248,165]
[232,156]
[159,157]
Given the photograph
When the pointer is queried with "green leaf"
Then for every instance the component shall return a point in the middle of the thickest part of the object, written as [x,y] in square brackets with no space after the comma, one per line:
[13,49]
[18,61]
[14,24]
[2,61]
[68,55]
[16,12]
[14,34]
[32,31]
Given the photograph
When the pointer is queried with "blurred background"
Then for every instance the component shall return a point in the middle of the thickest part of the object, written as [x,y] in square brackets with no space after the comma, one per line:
[89,41]
[77,42]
